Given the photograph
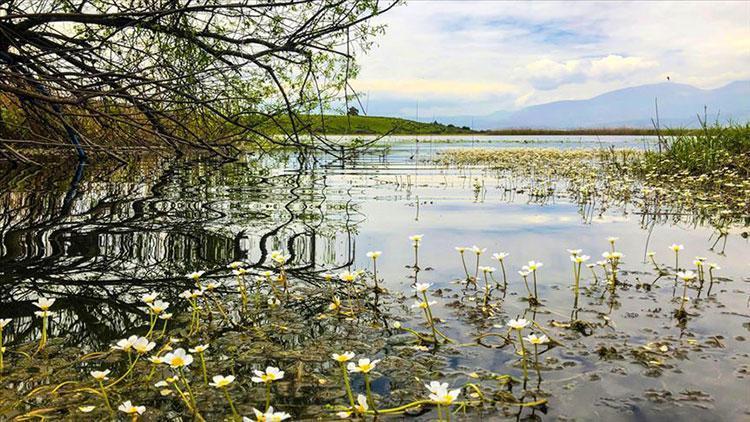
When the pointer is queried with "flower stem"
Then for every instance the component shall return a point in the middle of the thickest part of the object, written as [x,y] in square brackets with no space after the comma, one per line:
[369,393]
[231,404]
[106,398]
[523,357]
[347,385]
[268,395]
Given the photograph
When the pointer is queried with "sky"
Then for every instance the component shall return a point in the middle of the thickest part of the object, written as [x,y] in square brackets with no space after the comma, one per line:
[463,58]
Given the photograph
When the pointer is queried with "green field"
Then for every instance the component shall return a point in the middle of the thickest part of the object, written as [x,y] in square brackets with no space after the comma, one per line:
[370,125]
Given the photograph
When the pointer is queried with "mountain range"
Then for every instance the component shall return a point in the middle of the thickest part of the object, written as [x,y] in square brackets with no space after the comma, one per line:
[679,105]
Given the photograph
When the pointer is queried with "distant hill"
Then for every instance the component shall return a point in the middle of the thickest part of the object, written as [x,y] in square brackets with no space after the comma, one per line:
[372,125]
[679,104]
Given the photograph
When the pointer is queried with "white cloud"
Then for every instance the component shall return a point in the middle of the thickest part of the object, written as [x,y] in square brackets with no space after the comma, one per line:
[476,57]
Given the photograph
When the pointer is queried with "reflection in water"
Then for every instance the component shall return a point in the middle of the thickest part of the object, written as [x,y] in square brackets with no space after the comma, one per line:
[107,235]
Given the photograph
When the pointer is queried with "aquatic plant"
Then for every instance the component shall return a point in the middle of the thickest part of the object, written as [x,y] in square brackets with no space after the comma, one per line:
[267,377]
[222,382]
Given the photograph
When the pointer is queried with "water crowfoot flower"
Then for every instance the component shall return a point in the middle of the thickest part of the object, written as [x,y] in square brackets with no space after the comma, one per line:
[270,375]
[43,304]
[532,268]
[501,258]
[425,306]
[536,341]
[221,382]
[686,277]
[100,377]
[269,416]
[461,250]
[519,325]
[199,350]
[676,249]
[578,261]
[374,255]
[364,366]
[416,239]
[441,396]
[132,410]
[342,359]
[360,408]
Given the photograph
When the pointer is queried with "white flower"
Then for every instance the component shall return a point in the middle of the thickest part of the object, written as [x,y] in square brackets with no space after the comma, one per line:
[156,359]
[524,273]
[518,324]
[236,265]
[221,381]
[199,349]
[348,276]
[422,305]
[272,374]
[178,358]
[477,250]
[422,287]
[100,375]
[612,239]
[125,344]
[500,256]
[213,285]
[344,357]
[443,396]
[44,303]
[269,416]
[195,275]
[416,238]
[714,266]
[363,365]
[461,249]
[686,275]
[360,408]
[131,409]
[142,345]
[149,297]
[533,339]
[487,269]
[675,247]
[374,254]
[533,266]
[165,316]
[158,306]
[575,252]
[578,259]
[435,386]
[239,271]
[279,257]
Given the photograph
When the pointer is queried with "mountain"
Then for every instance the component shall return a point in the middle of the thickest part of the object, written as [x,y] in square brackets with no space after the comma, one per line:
[679,105]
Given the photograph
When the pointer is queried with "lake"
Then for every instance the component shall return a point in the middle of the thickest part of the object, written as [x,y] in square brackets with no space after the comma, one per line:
[97,237]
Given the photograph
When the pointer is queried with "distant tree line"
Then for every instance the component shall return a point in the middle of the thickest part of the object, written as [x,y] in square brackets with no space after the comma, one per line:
[173,75]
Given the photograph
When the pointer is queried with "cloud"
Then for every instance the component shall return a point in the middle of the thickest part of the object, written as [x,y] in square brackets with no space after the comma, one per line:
[546,74]
[476,57]
[614,66]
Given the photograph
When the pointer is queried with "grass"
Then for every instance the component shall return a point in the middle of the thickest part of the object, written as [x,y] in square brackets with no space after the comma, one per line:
[713,148]
[373,125]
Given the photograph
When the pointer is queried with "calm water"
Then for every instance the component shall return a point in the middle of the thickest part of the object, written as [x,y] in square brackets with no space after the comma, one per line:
[97,237]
